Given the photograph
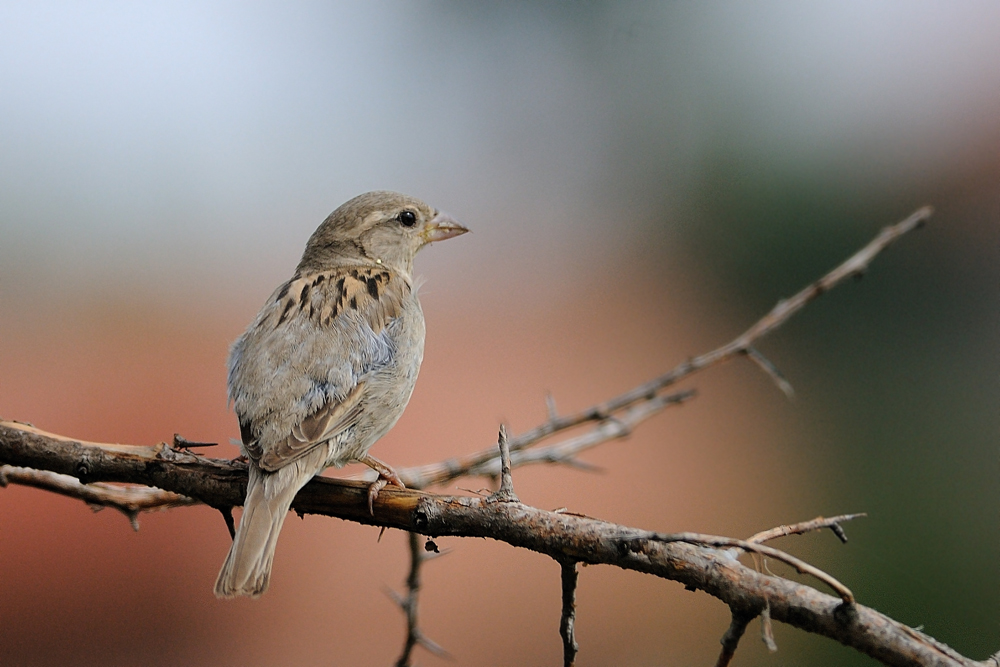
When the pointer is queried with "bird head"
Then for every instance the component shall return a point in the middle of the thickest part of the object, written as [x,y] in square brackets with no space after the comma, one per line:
[380,227]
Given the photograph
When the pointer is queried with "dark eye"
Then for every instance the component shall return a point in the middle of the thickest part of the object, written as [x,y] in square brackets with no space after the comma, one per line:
[407,218]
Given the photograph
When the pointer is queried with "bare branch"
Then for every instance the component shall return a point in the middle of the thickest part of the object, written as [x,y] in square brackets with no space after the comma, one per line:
[559,535]
[731,640]
[129,500]
[487,463]
[567,621]
[819,523]
[410,606]
[718,541]
[782,311]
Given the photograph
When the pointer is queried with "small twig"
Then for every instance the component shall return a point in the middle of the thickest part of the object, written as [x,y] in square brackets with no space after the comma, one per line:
[505,494]
[731,640]
[567,622]
[782,311]
[129,500]
[819,523]
[487,463]
[718,541]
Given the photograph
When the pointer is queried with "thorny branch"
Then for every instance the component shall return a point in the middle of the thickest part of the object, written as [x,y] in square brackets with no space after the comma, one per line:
[730,641]
[717,541]
[689,558]
[487,462]
[129,500]
[410,605]
[559,535]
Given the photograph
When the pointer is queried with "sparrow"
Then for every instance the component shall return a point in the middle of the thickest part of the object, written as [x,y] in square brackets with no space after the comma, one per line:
[327,366]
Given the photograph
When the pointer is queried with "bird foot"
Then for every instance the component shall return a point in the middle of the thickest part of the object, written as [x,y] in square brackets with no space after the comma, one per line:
[386,476]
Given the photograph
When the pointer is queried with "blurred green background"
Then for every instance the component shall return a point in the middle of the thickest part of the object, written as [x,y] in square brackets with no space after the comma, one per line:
[641,179]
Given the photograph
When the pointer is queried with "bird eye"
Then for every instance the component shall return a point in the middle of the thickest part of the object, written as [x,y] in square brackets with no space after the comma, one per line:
[407,218]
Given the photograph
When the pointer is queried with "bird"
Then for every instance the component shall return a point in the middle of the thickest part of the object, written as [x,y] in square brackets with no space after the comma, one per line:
[327,366]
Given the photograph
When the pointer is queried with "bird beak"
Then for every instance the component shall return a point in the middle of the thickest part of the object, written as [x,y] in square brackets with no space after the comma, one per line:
[442,227]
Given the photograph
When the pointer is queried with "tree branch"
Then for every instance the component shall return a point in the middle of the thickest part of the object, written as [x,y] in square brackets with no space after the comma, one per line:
[567,621]
[562,536]
[410,606]
[731,640]
[129,500]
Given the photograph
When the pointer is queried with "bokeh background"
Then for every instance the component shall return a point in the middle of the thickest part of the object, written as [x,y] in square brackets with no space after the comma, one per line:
[643,180]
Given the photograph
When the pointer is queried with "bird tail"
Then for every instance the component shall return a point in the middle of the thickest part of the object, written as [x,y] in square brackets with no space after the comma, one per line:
[248,565]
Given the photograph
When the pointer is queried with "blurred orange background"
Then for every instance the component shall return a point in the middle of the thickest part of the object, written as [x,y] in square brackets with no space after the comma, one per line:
[642,183]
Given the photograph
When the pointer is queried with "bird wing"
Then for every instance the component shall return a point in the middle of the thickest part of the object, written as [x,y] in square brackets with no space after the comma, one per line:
[322,425]
[341,316]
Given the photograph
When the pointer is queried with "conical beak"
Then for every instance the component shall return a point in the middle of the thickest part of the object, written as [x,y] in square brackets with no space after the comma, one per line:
[442,227]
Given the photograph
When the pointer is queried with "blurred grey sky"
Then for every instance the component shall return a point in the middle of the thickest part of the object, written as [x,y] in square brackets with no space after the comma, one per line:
[138,138]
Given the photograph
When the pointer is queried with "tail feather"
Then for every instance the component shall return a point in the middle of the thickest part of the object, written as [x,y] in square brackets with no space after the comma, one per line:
[248,566]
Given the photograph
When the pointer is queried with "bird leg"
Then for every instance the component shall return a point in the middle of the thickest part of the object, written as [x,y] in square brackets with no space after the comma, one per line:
[386,475]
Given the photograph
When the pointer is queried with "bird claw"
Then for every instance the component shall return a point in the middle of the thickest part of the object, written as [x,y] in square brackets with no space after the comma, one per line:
[373,491]
[386,475]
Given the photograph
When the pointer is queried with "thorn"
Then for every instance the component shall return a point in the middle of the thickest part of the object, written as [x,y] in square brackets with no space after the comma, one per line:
[766,631]
[771,370]
[394,596]
[583,465]
[183,443]
[227,516]
[432,646]
[550,406]
[505,494]
[839,532]
[380,534]
[133,519]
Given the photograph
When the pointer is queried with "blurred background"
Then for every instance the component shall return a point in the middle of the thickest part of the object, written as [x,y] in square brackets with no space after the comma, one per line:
[643,181]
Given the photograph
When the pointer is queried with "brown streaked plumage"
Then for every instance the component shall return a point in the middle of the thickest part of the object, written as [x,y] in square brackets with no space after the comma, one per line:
[327,366]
